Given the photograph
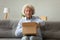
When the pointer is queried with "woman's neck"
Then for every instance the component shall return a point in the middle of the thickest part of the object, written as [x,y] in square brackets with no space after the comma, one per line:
[29,17]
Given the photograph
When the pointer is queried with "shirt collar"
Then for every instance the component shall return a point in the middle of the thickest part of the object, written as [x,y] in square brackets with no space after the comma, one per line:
[30,18]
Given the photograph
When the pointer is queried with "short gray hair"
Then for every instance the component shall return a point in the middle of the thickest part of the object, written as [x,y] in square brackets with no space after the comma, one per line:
[30,6]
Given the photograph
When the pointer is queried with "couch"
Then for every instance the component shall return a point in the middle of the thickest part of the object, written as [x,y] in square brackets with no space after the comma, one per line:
[51,31]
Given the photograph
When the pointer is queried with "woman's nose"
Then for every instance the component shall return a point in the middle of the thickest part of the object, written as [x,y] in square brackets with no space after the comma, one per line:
[28,12]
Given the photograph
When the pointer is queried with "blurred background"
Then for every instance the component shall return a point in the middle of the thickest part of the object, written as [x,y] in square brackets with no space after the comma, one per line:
[49,8]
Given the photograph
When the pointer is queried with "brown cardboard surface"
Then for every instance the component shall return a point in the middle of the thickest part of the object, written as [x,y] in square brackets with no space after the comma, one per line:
[29,28]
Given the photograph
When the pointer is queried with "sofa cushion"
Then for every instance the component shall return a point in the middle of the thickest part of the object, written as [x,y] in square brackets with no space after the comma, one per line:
[5,33]
[51,34]
[51,30]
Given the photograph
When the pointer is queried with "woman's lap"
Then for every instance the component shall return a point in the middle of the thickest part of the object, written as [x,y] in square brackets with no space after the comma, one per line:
[31,38]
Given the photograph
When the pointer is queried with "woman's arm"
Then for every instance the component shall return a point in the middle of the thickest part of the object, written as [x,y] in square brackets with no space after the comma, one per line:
[18,31]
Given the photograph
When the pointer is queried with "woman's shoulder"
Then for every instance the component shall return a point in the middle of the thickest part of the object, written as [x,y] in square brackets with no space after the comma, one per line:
[22,19]
[36,17]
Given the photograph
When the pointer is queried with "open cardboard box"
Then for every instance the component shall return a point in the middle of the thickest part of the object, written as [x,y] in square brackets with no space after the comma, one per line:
[29,28]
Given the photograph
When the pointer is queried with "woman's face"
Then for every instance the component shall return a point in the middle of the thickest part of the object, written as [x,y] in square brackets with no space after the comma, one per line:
[28,12]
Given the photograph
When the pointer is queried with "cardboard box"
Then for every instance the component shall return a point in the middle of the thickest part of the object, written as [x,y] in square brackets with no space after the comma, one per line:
[29,28]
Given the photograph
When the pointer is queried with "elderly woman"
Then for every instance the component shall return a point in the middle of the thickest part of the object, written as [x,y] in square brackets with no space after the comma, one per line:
[28,10]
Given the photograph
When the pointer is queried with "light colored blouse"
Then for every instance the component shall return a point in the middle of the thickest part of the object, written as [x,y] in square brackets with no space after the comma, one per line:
[33,19]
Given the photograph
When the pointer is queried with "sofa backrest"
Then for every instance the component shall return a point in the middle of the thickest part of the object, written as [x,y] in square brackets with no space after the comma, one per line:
[5,24]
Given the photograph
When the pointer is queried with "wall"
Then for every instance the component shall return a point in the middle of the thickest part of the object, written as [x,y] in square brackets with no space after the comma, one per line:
[49,8]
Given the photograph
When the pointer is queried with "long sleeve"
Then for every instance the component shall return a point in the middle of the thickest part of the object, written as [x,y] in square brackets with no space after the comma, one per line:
[42,23]
[18,31]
